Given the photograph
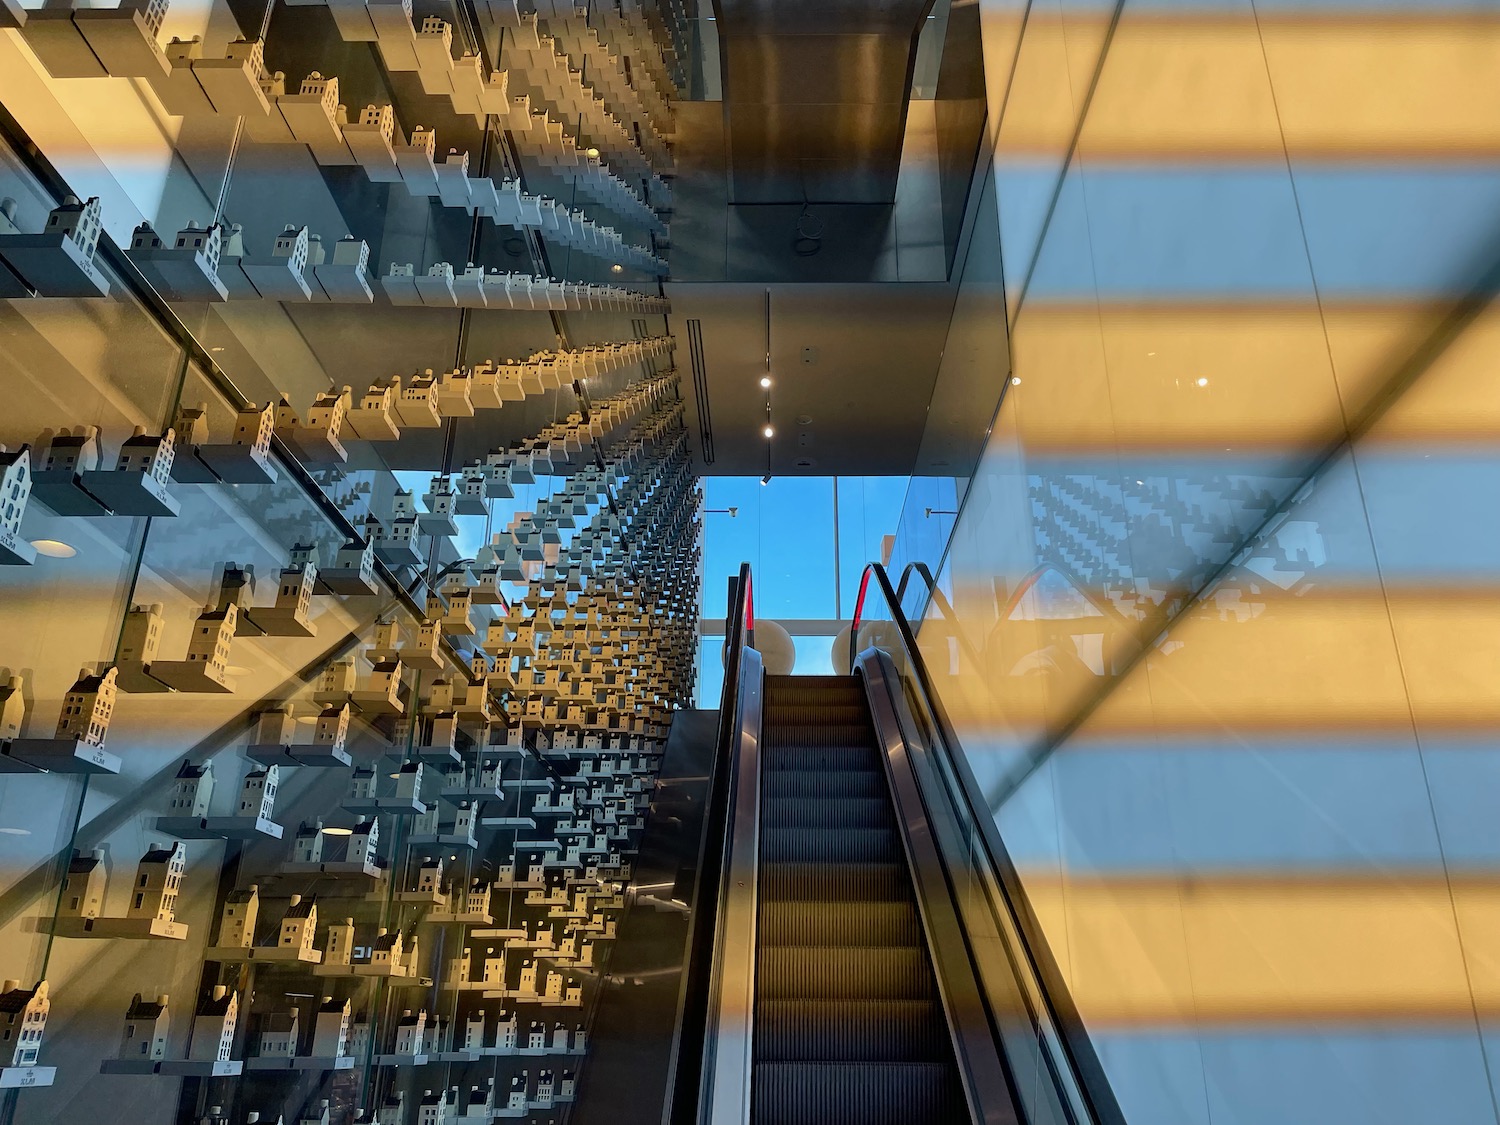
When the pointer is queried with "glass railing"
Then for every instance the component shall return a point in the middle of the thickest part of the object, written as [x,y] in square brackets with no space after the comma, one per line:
[1055,1071]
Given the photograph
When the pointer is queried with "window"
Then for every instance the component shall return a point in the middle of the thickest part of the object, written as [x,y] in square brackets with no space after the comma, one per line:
[139,899]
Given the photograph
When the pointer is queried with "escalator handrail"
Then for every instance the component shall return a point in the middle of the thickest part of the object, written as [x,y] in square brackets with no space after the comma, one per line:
[685,1086]
[1081,1059]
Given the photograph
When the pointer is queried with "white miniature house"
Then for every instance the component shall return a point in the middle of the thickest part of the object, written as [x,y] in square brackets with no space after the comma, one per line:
[15,490]
[213,1028]
[338,946]
[192,789]
[307,844]
[258,793]
[158,881]
[331,1030]
[23,1020]
[145,1032]
[411,1033]
[238,918]
[83,886]
[88,706]
[278,1034]
[299,927]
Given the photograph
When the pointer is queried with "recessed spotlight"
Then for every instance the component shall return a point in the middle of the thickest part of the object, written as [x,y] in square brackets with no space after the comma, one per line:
[765,380]
[338,832]
[769,432]
[1202,382]
[1015,380]
[54,548]
[617,268]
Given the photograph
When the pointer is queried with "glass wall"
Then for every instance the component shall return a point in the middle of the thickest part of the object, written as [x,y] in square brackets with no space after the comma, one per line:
[1215,619]
[807,540]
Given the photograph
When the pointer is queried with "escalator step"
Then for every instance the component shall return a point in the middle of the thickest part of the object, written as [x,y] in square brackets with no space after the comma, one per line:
[821,758]
[823,734]
[830,845]
[822,785]
[857,1093]
[846,882]
[786,716]
[840,923]
[850,1031]
[802,812]
[843,972]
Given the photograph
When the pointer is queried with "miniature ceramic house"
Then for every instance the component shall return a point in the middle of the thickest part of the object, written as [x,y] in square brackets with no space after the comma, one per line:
[353,570]
[338,947]
[145,1032]
[138,484]
[307,844]
[237,921]
[88,706]
[158,880]
[364,842]
[213,1027]
[278,1035]
[192,789]
[59,262]
[331,1031]
[361,786]
[23,1020]
[392,1109]
[12,708]
[299,927]
[83,886]
[411,1033]
[258,793]
[332,730]
[15,490]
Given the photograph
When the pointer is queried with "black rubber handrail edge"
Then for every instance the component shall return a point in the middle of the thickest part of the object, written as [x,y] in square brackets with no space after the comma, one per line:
[685,1079]
[1094,1085]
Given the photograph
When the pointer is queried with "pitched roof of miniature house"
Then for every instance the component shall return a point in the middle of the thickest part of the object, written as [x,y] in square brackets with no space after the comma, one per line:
[143,1009]
[82,864]
[249,894]
[279,1021]
[331,1005]
[386,941]
[90,681]
[302,909]
[218,1002]
[188,770]
[159,855]
[16,999]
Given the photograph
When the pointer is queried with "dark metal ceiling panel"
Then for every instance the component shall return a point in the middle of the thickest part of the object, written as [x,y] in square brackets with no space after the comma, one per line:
[815,95]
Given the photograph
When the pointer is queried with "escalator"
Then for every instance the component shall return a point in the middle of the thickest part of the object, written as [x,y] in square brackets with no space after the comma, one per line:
[860,948]
[849,1026]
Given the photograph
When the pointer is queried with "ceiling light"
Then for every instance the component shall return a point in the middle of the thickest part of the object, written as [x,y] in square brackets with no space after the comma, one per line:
[617,268]
[769,432]
[15,832]
[54,548]
[1015,380]
[594,153]
[766,479]
[236,670]
[338,832]
[1202,382]
[765,380]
